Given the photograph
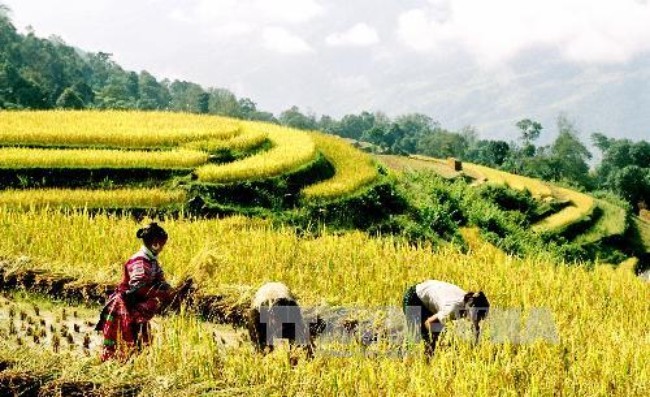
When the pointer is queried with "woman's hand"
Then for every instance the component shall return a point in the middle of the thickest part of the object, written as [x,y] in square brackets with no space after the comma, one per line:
[185,286]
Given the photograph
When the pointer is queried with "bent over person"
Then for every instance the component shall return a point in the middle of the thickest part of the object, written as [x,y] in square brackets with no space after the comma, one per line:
[142,293]
[274,313]
[430,304]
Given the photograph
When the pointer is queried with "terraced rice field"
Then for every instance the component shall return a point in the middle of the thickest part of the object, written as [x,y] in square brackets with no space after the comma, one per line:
[290,150]
[82,198]
[33,145]
[535,186]
[582,208]
[612,222]
[643,226]
[353,169]
[417,163]
[21,158]
[571,350]
[113,129]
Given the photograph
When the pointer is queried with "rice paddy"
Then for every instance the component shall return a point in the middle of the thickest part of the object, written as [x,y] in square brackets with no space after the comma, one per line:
[576,352]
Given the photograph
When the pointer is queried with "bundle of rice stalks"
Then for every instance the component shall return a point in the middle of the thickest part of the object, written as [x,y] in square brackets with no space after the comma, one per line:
[229,306]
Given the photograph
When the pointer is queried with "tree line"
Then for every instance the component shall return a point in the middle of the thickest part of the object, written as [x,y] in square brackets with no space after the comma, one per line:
[37,73]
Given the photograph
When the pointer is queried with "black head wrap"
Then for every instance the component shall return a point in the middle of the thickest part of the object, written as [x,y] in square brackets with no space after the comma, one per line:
[151,232]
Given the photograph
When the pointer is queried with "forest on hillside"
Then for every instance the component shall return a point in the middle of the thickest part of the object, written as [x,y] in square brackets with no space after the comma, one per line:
[38,73]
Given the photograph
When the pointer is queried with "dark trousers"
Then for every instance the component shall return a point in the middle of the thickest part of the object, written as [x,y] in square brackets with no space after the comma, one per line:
[416,314]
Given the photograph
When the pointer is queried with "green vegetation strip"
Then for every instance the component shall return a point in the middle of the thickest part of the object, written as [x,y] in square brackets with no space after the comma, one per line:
[17,158]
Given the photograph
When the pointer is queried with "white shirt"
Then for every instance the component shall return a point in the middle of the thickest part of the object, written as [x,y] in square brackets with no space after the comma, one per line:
[440,298]
[270,293]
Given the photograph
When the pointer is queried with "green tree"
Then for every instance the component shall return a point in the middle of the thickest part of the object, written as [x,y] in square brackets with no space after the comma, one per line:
[570,155]
[115,94]
[247,108]
[188,97]
[354,125]
[601,141]
[203,103]
[223,103]
[632,183]
[487,152]
[70,99]
[19,92]
[327,124]
[153,95]
[377,136]
[413,127]
[295,119]
[442,144]
[530,130]
[625,168]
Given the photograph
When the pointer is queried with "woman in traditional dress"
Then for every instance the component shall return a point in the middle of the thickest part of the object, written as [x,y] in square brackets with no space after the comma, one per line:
[142,293]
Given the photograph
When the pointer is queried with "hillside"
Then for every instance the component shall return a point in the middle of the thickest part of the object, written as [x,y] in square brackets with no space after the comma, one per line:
[346,232]
[582,225]
[160,164]
[247,198]
[577,352]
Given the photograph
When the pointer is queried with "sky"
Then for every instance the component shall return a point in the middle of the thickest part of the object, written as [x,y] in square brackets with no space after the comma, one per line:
[485,63]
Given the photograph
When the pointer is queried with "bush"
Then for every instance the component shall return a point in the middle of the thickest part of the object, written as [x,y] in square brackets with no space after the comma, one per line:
[510,199]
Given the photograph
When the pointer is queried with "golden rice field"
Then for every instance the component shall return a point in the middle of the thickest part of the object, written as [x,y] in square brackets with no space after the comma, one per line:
[115,139]
[582,206]
[599,317]
[612,222]
[247,139]
[353,169]
[119,129]
[536,187]
[417,163]
[290,150]
[16,158]
[92,199]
